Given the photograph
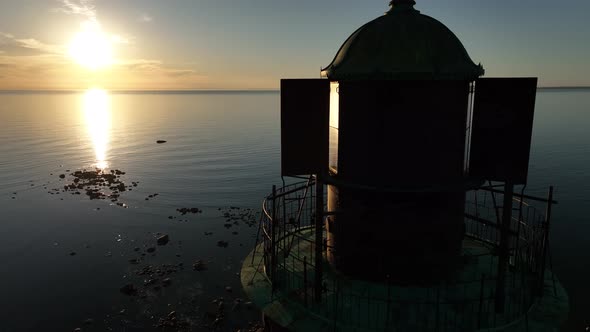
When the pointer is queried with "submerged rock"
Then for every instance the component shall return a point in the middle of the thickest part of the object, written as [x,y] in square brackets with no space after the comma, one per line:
[128,289]
[199,266]
[96,184]
[163,240]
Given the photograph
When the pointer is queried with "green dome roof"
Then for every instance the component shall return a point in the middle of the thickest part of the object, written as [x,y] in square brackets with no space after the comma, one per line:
[402,44]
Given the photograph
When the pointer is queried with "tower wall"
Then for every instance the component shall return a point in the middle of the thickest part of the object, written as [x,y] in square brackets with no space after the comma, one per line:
[397,196]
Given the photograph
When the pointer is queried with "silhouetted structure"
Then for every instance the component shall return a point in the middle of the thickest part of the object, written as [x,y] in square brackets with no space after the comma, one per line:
[420,228]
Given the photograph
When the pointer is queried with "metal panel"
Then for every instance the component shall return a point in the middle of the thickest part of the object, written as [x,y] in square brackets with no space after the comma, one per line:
[502,128]
[305,105]
[402,133]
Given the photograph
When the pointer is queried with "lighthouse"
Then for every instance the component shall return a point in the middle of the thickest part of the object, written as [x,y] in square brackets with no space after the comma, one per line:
[403,204]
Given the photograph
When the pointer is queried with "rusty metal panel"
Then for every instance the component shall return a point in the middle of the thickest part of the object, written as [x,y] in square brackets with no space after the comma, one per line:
[502,128]
[402,133]
[305,106]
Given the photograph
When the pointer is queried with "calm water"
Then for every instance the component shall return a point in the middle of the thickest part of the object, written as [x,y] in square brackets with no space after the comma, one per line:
[222,150]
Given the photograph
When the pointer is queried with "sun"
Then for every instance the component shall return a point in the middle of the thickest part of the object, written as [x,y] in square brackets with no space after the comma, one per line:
[91,48]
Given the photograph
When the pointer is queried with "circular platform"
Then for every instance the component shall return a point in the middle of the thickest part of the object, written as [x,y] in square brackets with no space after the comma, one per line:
[464,302]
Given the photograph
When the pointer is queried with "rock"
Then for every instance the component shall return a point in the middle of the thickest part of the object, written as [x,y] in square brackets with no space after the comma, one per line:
[62,176]
[77,329]
[160,141]
[73,253]
[89,321]
[162,240]
[150,282]
[151,249]
[222,244]
[228,289]
[237,304]
[166,282]
[128,289]
[199,266]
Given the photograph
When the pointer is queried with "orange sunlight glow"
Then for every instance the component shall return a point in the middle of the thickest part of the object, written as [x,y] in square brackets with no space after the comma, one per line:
[97,113]
[91,48]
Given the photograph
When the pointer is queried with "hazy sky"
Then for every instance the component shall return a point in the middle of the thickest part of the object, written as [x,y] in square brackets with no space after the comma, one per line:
[252,44]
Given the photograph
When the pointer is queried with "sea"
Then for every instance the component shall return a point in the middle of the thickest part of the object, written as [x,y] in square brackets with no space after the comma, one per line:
[190,170]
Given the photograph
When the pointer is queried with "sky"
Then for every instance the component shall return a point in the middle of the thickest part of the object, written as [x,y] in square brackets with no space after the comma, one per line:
[252,44]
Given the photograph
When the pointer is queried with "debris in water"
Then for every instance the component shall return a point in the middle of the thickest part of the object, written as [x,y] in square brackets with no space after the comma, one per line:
[193,210]
[128,289]
[94,184]
[199,266]
[162,240]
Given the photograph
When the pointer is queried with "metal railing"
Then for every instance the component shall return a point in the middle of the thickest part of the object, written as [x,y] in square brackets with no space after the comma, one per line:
[467,303]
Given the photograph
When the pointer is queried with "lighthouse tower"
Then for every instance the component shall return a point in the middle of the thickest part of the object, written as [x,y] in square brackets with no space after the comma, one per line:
[403,205]
[398,140]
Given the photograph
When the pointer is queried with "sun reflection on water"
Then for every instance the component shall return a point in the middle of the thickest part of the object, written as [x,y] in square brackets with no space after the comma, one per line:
[97,115]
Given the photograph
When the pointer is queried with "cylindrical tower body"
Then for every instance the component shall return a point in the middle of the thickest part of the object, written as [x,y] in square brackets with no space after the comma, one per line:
[396,196]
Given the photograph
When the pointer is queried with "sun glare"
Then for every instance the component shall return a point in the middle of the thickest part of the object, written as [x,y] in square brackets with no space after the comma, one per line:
[91,48]
[97,113]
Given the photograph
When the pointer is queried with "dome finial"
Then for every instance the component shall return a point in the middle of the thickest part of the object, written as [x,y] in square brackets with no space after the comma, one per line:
[402,2]
[404,5]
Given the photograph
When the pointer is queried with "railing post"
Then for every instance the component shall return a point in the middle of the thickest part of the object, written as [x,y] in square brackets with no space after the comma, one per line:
[545,240]
[387,310]
[273,243]
[437,317]
[503,249]
[305,280]
[319,220]
[481,295]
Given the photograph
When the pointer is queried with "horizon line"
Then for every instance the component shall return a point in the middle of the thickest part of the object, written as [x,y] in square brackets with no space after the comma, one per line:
[135,90]
[202,90]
